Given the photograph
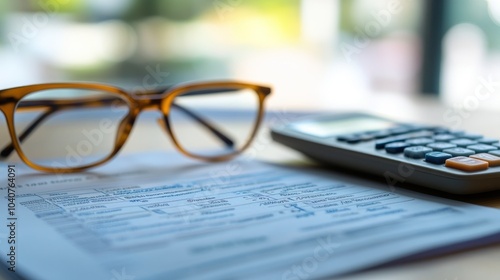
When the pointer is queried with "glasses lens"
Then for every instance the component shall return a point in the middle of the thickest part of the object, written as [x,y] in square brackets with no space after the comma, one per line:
[68,128]
[214,122]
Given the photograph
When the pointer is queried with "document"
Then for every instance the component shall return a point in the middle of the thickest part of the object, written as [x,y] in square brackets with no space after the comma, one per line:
[157,216]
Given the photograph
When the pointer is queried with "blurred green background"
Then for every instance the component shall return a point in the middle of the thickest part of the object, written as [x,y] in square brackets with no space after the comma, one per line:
[311,52]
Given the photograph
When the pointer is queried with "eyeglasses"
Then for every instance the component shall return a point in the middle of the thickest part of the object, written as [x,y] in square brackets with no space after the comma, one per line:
[69,127]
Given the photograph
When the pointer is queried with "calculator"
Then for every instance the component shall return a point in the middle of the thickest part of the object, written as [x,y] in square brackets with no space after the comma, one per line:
[431,156]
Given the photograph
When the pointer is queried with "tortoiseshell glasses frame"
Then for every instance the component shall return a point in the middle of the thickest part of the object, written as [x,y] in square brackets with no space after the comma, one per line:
[159,99]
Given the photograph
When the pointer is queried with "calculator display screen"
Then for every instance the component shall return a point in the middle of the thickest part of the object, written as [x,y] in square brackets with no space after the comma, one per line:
[330,127]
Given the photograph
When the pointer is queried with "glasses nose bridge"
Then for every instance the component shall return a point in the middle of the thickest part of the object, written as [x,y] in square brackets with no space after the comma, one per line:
[149,103]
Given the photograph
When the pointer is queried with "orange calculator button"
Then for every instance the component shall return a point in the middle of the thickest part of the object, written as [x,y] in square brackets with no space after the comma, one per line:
[491,159]
[466,163]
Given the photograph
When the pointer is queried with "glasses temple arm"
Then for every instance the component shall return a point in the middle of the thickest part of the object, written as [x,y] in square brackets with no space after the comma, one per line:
[199,119]
[210,127]
[7,150]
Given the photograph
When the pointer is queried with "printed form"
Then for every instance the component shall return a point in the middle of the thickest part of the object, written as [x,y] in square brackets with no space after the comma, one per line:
[157,216]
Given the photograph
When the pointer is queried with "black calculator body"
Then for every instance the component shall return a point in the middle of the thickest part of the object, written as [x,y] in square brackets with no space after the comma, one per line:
[431,156]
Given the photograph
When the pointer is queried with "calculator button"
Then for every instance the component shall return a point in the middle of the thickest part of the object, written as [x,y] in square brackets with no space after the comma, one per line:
[397,147]
[349,138]
[491,159]
[457,132]
[366,137]
[466,164]
[342,138]
[440,130]
[437,157]
[444,137]
[471,136]
[399,130]
[380,144]
[419,141]
[416,151]
[488,141]
[440,146]
[381,134]
[495,153]
[481,148]
[459,152]
[463,142]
